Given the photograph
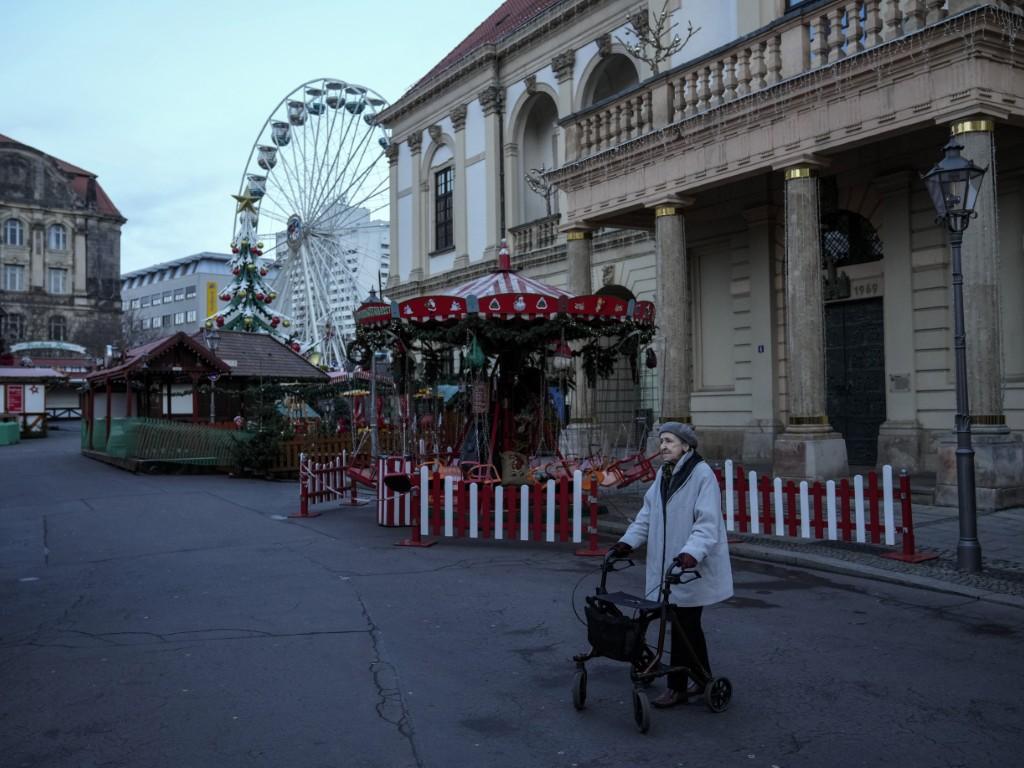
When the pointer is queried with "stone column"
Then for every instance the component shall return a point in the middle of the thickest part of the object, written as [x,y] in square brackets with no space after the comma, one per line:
[998,454]
[416,243]
[809,448]
[563,65]
[459,195]
[672,303]
[492,100]
[391,153]
[759,436]
[582,432]
[899,435]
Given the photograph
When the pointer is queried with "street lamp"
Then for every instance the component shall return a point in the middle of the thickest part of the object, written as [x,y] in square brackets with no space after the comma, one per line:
[954,184]
[212,338]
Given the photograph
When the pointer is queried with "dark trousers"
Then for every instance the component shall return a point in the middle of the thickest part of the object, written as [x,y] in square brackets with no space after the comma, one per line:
[689,621]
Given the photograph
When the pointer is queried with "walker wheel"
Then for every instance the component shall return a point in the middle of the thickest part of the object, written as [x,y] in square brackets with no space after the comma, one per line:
[579,688]
[641,711]
[718,693]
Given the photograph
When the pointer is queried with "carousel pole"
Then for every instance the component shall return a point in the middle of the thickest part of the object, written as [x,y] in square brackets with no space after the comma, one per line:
[373,404]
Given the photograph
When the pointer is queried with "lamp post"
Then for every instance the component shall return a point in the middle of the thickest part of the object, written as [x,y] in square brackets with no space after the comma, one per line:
[954,184]
[212,338]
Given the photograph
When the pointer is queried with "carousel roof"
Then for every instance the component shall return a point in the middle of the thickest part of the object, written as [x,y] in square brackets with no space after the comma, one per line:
[505,295]
[504,280]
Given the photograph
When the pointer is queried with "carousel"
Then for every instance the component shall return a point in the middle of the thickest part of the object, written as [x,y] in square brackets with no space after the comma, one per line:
[488,373]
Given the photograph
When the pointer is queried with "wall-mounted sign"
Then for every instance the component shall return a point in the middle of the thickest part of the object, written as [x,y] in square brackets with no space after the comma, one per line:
[15,398]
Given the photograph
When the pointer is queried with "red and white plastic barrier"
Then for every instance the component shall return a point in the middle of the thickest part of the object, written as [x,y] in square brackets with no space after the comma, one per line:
[550,512]
[319,482]
[393,509]
[830,511]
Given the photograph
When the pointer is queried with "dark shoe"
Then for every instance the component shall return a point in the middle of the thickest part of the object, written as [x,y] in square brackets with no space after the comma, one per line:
[693,690]
[669,698]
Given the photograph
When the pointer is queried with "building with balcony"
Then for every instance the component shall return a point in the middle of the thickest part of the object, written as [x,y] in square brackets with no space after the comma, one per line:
[60,251]
[761,185]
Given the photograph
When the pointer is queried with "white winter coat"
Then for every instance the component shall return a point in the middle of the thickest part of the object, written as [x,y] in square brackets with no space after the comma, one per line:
[692,523]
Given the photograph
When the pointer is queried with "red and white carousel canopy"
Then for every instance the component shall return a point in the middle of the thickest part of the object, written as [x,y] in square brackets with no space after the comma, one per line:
[505,295]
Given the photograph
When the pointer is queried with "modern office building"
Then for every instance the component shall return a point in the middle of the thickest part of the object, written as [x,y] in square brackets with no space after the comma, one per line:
[174,296]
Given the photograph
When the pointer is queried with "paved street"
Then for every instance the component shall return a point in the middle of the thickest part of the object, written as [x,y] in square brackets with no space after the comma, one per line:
[183,621]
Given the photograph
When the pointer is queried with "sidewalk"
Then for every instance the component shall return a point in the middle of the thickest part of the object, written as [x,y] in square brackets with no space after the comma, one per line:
[936,529]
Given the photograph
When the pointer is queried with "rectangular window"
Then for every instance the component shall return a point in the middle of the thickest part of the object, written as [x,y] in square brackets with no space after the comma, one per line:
[168,319]
[179,294]
[190,316]
[134,304]
[167,296]
[179,318]
[57,280]
[146,300]
[190,291]
[151,322]
[14,277]
[156,299]
[444,225]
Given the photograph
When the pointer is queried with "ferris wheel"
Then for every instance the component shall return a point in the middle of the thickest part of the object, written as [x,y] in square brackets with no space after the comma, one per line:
[318,169]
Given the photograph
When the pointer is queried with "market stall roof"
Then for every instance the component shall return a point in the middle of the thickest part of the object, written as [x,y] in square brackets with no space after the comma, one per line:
[257,355]
[177,354]
[21,374]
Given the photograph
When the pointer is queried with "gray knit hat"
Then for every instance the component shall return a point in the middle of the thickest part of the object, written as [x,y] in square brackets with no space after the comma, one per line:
[683,431]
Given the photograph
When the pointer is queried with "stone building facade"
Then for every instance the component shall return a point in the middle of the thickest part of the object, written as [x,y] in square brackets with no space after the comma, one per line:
[763,188]
[60,251]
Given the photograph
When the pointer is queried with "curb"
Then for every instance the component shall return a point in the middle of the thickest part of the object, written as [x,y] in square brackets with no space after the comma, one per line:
[767,554]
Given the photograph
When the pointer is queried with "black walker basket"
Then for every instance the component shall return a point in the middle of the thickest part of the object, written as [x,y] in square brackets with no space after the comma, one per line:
[611,633]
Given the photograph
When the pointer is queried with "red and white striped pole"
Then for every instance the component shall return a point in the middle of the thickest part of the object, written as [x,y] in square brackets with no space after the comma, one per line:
[908,554]
[419,513]
[305,477]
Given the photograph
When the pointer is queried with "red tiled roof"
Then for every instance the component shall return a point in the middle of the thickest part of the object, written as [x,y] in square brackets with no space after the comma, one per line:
[510,15]
[80,178]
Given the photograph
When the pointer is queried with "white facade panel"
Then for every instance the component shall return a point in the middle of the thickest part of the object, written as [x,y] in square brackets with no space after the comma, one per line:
[405,223]
[475,135]
[404,167]
[476,209]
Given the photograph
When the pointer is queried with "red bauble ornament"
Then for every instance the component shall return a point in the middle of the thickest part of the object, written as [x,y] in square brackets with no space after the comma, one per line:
[260,297]
[263,271]
[236,271]
[234,249]
[220,320]
[274,321]
[225,297]
[268,300]
[295,346]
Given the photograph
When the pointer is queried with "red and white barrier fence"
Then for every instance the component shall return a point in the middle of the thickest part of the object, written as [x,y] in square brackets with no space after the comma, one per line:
[550,512]
[320,482]
[393,509]
[830,511]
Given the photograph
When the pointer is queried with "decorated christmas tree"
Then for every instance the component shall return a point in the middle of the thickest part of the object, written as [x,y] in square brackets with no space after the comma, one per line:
[248,296]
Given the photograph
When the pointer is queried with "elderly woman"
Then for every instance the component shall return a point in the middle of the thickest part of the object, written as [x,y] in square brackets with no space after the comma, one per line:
[681,520]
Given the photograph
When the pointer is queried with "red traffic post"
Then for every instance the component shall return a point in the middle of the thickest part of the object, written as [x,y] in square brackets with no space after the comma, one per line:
[304,479]
[404,484]
[908,553]
[592,550]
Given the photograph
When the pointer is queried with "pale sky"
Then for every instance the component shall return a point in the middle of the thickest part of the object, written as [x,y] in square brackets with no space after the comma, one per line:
[163,100]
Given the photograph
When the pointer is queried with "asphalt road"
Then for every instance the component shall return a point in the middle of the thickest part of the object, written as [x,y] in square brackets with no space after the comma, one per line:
[181,621]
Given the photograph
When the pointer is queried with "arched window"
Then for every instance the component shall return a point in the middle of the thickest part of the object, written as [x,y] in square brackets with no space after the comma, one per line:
[539,151]
[13,328]
[442,173]
[848,238]
[57,238]
[58,328]
[614,75]
[14,232]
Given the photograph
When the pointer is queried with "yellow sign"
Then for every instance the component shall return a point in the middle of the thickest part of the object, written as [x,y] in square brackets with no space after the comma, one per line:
[211,298]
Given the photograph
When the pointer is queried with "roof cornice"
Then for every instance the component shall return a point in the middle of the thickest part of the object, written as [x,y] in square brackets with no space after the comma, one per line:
[541,25]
